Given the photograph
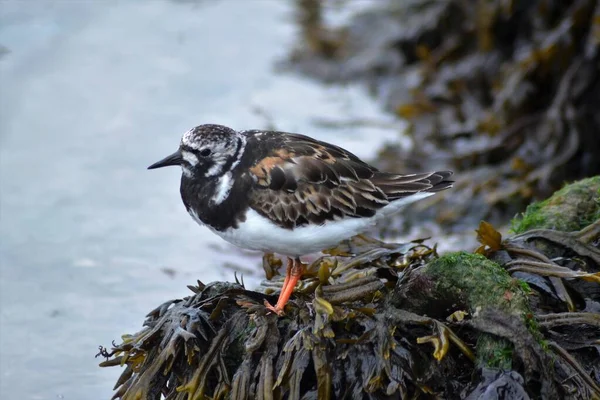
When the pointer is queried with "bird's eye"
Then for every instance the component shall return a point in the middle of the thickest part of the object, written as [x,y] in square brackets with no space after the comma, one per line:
[205,152]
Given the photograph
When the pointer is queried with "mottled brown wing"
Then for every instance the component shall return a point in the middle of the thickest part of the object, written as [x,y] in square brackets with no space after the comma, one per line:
[307,181]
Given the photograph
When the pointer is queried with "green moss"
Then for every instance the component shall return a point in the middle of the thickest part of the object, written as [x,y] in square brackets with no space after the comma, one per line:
[494,352]
[524,286]
[571,208]
[596,215]
[478,281]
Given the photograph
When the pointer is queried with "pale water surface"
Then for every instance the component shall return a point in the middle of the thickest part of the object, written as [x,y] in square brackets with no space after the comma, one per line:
[91,93]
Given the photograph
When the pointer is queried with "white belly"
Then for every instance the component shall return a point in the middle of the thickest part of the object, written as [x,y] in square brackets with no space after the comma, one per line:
[258,233]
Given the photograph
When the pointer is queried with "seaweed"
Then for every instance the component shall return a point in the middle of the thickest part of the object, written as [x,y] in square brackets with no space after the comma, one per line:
[503,92]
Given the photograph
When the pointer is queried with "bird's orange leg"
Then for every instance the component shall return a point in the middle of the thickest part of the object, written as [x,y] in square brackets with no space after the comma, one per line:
[293,274]
[288,272]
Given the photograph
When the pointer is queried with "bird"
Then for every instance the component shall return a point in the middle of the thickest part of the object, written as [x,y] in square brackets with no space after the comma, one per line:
[287,193]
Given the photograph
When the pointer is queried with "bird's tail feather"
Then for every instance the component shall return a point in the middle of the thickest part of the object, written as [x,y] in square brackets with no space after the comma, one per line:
[397,186]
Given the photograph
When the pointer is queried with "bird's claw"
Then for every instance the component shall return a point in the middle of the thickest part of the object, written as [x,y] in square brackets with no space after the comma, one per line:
[273,309]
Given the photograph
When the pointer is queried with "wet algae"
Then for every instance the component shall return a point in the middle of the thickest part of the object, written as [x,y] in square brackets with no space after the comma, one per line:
[373,320]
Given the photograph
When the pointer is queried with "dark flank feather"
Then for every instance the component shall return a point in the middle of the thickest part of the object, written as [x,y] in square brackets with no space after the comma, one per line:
[300,180]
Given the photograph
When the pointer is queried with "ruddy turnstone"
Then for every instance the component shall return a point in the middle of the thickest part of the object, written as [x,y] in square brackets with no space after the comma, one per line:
[287,193]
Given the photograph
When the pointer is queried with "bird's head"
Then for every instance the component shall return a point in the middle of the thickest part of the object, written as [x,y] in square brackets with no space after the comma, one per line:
[206,151]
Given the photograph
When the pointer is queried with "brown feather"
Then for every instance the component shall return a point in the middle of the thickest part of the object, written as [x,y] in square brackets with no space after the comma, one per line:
[308,181]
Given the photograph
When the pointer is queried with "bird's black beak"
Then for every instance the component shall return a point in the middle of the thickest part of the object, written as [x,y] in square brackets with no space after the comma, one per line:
[173,159]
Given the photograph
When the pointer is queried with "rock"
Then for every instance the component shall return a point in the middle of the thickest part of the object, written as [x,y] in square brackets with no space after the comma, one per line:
[572,208]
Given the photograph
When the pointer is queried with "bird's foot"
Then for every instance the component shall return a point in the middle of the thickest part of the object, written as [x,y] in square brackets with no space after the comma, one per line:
[274,309]
[295,269]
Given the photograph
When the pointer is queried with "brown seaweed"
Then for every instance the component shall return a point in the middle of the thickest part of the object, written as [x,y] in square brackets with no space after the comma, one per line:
[503,92]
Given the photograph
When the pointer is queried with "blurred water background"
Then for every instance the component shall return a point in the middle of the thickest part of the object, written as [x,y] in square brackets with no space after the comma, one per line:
[91,93]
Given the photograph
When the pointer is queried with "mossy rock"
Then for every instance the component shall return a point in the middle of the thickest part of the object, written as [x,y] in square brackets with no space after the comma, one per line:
[463,281]
[479,282]
[471,282]
[572,208]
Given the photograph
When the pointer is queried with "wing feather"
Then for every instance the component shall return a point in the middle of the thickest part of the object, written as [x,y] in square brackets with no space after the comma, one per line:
[303,180]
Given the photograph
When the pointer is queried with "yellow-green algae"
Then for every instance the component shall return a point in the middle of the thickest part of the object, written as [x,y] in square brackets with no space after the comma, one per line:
[572,208]
[480,283]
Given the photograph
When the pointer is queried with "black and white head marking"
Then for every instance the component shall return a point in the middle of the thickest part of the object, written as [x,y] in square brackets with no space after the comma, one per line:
[211,150]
